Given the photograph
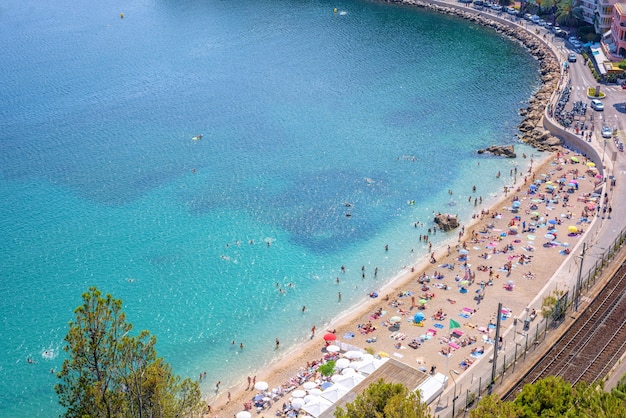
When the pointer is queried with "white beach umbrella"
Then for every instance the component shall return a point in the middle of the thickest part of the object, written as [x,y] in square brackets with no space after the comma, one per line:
[355,364]
[297,403]
[367,357]
[336,377]
[309,398]
[334,392]
[350,381]
[309,385]
[261,385]
[244,414]
[315,392]
[367,367]
[353,354]
[342,363]
[348,371]
[333,349]
[317,406]
[298,393]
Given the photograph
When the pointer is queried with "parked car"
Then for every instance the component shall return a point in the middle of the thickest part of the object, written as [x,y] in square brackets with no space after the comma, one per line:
[560,33]
[597,105]
[496,7]
[571,57]
[528,16]
[511,10]
[606,132]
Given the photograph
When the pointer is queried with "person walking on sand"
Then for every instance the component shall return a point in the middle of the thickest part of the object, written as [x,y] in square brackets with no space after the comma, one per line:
[313,331]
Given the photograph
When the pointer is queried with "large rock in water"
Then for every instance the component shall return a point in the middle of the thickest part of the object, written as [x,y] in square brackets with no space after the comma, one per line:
[446,222]
[507,151]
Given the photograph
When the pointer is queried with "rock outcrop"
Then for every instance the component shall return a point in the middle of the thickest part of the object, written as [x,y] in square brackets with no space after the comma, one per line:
[507,151]
[446,222]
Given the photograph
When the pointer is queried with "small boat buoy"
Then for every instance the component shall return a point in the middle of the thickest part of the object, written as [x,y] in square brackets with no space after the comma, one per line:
[121,15]
[335,10]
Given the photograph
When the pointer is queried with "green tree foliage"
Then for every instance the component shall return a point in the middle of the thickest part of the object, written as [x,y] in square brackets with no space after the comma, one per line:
[554,397]
[109,373]
[550,302]
[385,400]
[328,368]
[492,407]
[549,397]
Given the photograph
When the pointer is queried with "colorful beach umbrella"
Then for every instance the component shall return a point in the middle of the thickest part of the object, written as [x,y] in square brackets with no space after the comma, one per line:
[330,337]
[454,324]
[572,228]
[423,301]
[395,319]
[574,159]
[419,317]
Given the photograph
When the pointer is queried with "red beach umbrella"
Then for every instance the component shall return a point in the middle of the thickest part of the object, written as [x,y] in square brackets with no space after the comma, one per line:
[330,337]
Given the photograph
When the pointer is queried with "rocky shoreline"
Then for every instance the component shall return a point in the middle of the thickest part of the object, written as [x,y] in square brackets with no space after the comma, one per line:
[531,129]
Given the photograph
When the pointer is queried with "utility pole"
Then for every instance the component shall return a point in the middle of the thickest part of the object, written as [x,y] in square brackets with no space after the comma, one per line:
[580,273]
[495,344]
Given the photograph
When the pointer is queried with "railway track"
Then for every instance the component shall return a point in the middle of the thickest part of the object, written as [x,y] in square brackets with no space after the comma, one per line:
[592,344]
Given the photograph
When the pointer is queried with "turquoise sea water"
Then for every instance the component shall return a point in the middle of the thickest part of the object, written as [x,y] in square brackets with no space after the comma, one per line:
[301,110]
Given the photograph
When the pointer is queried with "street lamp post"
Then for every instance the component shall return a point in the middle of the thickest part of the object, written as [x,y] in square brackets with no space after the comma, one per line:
[603,151]
[454,397]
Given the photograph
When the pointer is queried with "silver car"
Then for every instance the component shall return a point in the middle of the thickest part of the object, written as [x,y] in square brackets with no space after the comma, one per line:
[597,105]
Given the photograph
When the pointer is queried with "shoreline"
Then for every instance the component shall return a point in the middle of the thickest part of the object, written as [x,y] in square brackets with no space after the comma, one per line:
[312,349]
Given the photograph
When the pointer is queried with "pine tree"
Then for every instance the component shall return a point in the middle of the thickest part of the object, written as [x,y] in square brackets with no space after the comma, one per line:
[109,373]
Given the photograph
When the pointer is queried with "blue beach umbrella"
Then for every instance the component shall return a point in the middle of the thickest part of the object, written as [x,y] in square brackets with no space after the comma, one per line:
[419,317]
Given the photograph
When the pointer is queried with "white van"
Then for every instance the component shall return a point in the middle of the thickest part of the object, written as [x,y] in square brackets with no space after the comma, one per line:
[535,19]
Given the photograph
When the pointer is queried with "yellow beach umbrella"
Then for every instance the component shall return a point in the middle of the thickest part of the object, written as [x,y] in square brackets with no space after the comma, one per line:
[591,164]
[572,228]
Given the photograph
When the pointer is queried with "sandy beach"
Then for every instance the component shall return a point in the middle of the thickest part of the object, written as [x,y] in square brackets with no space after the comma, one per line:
[506,255]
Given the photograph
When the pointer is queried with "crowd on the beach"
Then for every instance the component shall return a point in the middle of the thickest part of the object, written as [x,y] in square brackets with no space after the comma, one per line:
[502,248]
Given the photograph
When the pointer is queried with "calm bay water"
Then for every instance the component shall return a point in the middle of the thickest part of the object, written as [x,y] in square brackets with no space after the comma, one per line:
[301,110]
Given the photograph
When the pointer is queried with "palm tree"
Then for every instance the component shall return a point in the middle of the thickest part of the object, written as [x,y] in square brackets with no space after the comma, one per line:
[568,13]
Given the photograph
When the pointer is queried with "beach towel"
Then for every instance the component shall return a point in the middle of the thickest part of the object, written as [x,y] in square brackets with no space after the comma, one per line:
[348,335]
[464,315]
[470,310]
[440,326]
[454,345]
